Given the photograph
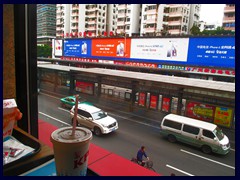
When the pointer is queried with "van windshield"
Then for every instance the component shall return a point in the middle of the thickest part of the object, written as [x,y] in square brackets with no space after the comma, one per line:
[218,132]
[99,115]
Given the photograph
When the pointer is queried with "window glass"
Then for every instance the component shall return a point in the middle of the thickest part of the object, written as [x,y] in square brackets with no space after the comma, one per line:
[172,124]
[191,129]
[208,134]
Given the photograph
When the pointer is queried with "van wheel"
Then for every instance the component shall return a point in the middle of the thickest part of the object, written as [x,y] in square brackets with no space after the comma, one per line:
[172,138]
[77,123]
[97,131]
[206,149]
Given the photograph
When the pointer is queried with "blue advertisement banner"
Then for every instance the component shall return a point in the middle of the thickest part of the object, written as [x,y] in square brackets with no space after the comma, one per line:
[77,47]
[212,51]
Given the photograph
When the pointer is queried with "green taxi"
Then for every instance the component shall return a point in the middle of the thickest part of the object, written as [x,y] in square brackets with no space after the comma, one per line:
[69,101]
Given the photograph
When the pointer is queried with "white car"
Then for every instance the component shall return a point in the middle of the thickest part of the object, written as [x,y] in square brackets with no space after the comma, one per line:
[95,119]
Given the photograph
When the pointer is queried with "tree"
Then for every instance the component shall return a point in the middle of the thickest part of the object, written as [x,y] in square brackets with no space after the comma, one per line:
[195,30]
[44,51]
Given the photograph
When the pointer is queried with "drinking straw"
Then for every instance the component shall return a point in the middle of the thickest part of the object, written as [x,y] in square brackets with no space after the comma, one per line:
[75,115]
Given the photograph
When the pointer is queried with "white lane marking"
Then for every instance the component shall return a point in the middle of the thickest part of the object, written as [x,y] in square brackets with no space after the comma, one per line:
[207,159]
[179,170]
[55,119]
[64,109]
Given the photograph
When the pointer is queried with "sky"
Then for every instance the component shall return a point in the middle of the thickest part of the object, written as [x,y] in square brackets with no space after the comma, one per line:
[212,13]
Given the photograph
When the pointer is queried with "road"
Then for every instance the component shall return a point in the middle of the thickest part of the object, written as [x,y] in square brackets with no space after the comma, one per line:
[177,158]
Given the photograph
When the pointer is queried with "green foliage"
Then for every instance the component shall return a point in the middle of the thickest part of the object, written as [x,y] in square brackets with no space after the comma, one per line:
[44,51]
[218,31]
[195,30]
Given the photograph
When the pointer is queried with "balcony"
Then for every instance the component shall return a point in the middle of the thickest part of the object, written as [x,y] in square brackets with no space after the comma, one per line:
[119,31]
[175,14]
[228,19]
[93,15]
[121,15]
[74,20]
[91,29]
[122,6]
[174,31]
[228,9]
[92,22]
[74,27]
[174,23]
[152,11]
[74,14]
[150,30]
[151,21]
[120,23]
[91,9]
[75,7]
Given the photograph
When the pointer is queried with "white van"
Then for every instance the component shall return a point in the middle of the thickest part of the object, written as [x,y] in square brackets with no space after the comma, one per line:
[204,135]
[95,119]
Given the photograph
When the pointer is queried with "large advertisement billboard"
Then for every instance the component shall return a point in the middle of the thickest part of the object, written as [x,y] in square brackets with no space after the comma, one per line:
[77,47]
[194,51]
[212,51]
[118,47]
[170,49]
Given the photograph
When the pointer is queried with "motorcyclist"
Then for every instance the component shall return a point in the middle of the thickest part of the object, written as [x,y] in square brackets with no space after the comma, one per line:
[141,152]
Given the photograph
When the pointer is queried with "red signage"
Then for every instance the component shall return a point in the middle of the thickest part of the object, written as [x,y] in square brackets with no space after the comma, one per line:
[142,99]
[84,87]
[166,104]
[153,102]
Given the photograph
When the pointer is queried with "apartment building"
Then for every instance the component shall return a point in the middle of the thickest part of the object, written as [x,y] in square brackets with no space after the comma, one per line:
[78,20]
[46,23]
[229,17]
[94,20]
[62,20]
[128,19]
[174,19]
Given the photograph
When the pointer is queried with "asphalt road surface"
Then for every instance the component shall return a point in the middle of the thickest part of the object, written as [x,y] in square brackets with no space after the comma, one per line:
[177,158]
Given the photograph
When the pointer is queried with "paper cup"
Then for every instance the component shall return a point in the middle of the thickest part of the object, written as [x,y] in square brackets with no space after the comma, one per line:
[71,153]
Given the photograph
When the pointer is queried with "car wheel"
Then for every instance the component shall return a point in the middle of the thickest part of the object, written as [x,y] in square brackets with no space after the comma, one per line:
[97,131]
[172,138]
[206,149]
[77,123]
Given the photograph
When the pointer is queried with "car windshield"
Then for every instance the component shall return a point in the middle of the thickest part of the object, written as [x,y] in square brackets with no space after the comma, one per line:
[99,115]
[218,132]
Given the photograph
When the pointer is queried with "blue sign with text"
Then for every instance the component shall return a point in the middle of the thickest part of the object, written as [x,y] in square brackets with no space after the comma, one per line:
[77,47]
[212,51]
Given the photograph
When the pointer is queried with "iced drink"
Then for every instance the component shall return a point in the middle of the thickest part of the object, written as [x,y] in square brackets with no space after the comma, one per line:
[71,152]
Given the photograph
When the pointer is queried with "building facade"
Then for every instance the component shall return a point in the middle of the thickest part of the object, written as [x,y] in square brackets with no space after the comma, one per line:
[229,17]
[95,20]
[46,23]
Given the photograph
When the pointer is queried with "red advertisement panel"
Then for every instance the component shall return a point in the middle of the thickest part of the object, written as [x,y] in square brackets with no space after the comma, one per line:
[200,111]
[119,47]
[153,102]
[142,99]
[166,104]
[84,87]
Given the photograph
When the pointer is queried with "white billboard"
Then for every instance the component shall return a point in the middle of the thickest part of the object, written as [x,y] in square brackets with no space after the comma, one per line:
[172,49]
[58,47]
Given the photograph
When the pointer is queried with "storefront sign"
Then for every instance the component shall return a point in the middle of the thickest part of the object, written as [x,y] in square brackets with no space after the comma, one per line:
[84,87]
[200,111]
[223,116]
